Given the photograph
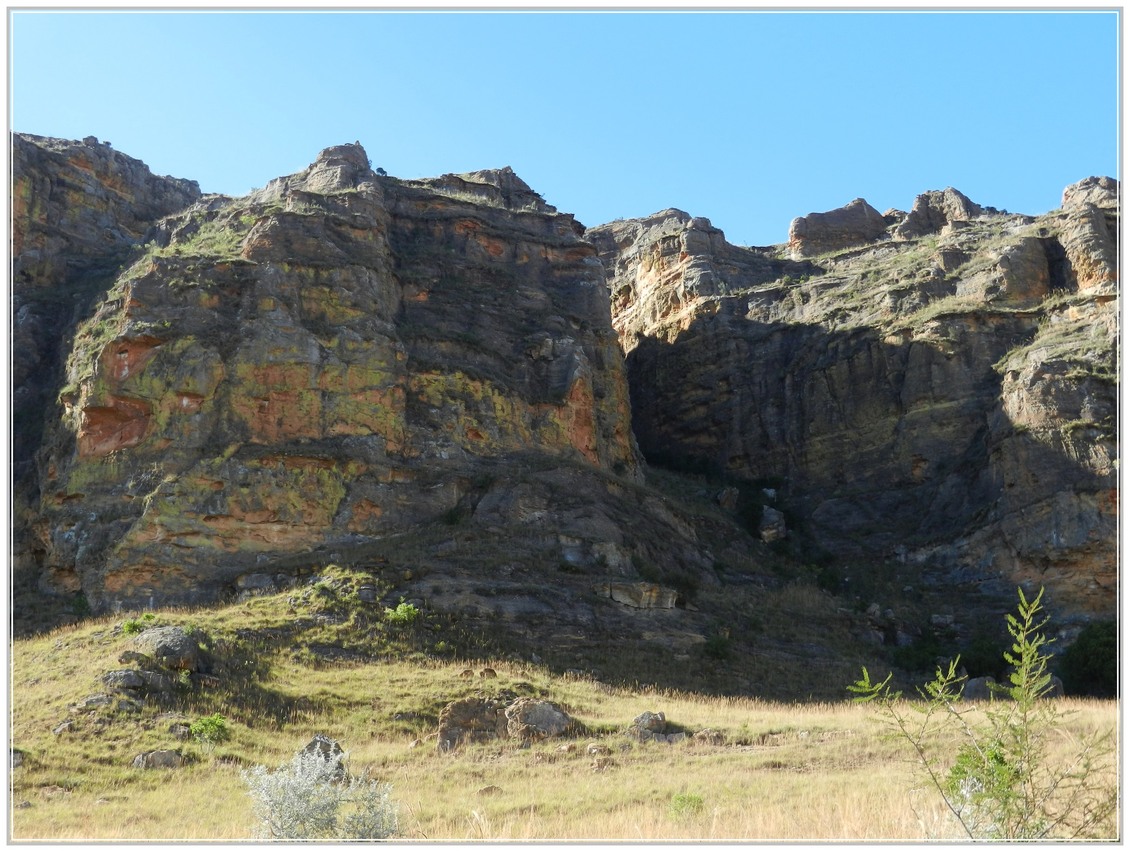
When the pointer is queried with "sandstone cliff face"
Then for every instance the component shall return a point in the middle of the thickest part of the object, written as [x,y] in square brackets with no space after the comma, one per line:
[77,210]
[941,391]
[320,364]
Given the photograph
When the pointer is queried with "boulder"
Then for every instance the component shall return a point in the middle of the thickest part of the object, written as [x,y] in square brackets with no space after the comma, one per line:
[648,726]
[470,720]
[126,679]
[979,689]
[159,759]
[854,224]
[531,720]
[772,525]
[328,750]
[172,647]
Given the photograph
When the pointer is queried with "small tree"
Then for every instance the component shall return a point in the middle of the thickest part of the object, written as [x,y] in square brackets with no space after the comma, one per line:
[1001,783]
[210,730]
[304,800]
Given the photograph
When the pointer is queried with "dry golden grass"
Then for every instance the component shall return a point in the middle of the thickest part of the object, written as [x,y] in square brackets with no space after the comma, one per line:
[787,771]
[801,771]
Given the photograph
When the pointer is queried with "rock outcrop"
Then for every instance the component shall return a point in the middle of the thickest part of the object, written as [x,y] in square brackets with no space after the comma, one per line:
[946,400]
[933,211]
[78,209]
[854,224]
[330,359]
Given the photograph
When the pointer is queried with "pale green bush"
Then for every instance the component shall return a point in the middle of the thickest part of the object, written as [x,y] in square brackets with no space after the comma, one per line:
[307,799]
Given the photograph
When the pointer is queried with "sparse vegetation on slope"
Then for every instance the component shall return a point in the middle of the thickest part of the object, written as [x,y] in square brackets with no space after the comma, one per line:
[770,770]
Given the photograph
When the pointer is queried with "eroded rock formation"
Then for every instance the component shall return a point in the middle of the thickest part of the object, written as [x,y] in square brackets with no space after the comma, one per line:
[942,394]
[318,364]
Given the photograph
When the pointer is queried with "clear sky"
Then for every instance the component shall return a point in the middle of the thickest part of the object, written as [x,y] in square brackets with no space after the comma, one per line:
[748,118]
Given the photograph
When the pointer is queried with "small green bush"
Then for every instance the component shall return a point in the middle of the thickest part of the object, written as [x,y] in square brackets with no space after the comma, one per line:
[210,730]
[403,615]
[685,805]
[133,626]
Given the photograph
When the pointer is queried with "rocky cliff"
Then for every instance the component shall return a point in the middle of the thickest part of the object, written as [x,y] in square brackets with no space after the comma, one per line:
[78,208]
[935,387]
[443,383]
[333,358]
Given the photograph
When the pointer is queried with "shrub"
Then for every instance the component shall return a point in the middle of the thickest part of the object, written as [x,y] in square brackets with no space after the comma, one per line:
[210,730]
[685,805]
[403,614]
[133,626]
[717,646]
[1089,666]
[1001,783]
[303,800]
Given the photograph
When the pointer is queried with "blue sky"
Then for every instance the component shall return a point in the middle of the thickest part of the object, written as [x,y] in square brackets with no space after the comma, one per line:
[748,118]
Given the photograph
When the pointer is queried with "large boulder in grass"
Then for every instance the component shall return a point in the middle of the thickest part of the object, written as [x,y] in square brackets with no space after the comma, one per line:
[172,647]
[531,719]
[471,720]
[159,759]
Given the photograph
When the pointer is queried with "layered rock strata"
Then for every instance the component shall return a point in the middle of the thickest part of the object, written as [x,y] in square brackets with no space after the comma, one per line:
[78,208]
[320,364]
[942,392]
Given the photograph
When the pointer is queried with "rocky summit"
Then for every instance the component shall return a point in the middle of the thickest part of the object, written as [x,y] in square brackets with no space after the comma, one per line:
[450,384]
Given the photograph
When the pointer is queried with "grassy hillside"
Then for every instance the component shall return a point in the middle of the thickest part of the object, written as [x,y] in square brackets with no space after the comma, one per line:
[315,660]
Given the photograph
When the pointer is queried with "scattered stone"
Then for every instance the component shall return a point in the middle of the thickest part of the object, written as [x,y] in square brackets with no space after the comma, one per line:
[941,620]
[727,498]
[98,699]
[676,737]
[159,759]
[126,679]
[17,758]
[709,736]
[655,723]
[127,657]
[64,728]
[180,730]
